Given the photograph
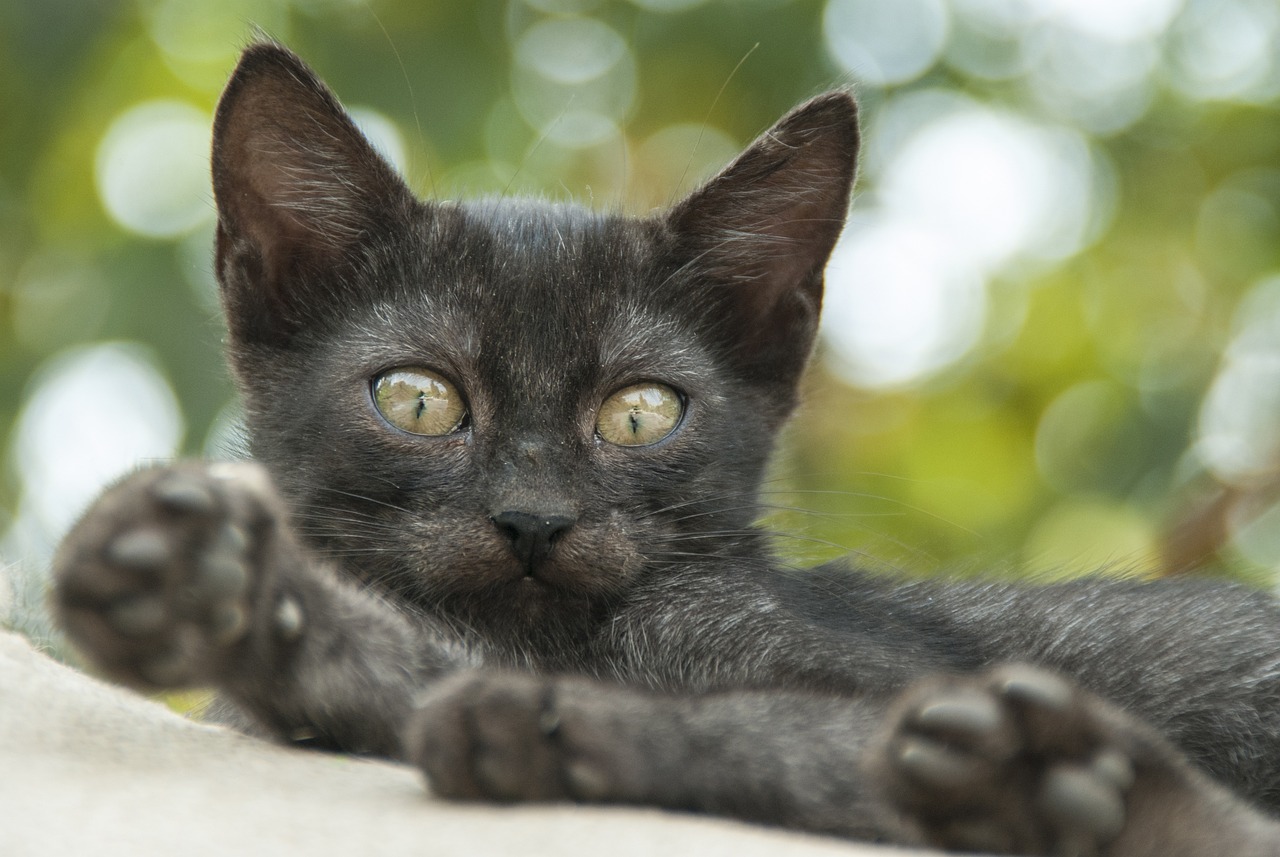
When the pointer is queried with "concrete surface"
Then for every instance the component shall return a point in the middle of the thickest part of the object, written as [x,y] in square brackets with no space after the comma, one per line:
[91,769]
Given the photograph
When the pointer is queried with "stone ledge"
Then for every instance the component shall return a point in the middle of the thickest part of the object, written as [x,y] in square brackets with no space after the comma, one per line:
[91,769]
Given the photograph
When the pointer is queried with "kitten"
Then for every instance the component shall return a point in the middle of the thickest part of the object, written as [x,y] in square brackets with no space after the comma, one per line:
[501,525]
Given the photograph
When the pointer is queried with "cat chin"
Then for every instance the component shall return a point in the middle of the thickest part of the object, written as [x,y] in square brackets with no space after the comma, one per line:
[548,582]
[511,613]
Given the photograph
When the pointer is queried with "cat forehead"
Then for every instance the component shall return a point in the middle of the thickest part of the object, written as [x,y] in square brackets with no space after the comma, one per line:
[537,233]
[542,294]
[530,219]
[533,285]
[529,262]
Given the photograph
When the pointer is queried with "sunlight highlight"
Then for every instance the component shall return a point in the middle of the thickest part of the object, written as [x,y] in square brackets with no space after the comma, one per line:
[885,43]
[95,413]
[152,169]
[959,193]
[573,80]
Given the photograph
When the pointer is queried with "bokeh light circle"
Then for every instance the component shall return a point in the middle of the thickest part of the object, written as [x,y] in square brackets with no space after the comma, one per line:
[152,169]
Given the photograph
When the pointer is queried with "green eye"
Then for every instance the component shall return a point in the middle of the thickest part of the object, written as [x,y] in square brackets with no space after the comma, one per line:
[418,401]
[639,415]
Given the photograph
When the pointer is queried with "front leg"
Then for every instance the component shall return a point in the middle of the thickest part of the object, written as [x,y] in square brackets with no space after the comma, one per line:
[775,757]
[518,737]
[191,576]
[1013,761]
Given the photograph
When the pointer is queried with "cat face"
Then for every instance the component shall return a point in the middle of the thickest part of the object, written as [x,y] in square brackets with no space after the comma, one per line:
[511,410]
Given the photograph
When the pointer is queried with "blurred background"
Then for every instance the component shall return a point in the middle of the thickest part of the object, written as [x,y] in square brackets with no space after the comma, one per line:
[1052,331]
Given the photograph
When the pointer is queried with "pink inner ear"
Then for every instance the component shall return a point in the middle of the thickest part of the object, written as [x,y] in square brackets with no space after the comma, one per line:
[775,212]
[309,191]
[293,176]
[760,232]
[299,193]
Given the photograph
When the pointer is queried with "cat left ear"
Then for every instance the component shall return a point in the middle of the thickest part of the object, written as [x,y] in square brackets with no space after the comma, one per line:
[299,191]
[761,232]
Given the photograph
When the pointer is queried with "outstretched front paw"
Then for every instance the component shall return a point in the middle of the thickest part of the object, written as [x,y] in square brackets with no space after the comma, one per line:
[1015,761]
[160,580]
[516,737]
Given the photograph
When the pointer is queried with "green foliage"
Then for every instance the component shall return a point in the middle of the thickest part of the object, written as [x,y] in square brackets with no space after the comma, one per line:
[1063,434]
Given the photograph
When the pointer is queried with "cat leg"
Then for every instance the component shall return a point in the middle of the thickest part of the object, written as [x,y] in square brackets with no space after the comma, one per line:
[1014,761]
[781,758]
[189,575]
[1020,761]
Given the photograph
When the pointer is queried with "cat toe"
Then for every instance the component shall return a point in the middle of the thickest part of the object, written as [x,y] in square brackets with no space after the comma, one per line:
[484,736]
[511,737]
[1077,798]
[183,492]
[1013,761]
[157,577]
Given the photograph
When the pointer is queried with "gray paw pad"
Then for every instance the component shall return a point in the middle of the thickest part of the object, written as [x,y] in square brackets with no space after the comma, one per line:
[1036,687]
[183,493]
[139,616]
[221,573]
[968,715]
[140,550]
[221,577]
[1114,767]
[1078,799]
[935,765]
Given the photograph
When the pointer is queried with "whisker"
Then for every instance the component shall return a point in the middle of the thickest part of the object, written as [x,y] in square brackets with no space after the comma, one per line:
[365,499]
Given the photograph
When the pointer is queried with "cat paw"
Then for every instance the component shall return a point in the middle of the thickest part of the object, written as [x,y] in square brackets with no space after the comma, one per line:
[515,737]
[158,582]
[1014,761]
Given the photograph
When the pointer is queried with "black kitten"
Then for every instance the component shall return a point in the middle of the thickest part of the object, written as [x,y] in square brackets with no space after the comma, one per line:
[502,525]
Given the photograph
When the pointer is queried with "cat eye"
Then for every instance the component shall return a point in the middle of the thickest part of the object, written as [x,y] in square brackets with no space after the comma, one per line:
[639,415]
[418,401]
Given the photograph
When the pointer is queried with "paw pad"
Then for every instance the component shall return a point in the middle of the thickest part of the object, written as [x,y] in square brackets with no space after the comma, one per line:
[140,550]
[139,616]
[1076,798]
[155,582]
[1014,761]
[183,493]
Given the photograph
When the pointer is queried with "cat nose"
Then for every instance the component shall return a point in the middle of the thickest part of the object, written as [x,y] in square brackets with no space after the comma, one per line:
[532,535]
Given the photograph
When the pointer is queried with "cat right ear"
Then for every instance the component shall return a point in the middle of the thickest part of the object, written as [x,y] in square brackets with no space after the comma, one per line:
[759,235]
[299,192]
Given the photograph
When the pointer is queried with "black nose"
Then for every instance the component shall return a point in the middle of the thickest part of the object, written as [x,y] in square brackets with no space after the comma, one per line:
[532,535]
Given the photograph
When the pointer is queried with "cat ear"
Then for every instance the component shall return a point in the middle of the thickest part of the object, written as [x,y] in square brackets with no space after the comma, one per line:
[299,191]
[761,231]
